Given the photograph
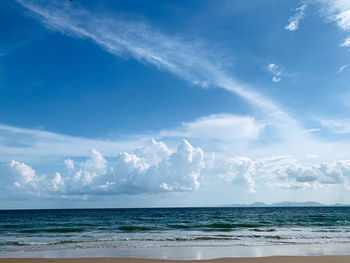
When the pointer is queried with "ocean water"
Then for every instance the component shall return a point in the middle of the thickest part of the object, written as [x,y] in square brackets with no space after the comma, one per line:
[44,230]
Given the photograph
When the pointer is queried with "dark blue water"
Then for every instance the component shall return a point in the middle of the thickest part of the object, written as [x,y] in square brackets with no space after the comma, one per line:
[95,228]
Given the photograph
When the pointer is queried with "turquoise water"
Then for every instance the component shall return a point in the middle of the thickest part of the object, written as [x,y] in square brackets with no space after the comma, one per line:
[41,230]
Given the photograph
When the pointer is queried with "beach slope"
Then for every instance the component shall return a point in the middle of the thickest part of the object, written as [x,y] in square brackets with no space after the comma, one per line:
[284,259]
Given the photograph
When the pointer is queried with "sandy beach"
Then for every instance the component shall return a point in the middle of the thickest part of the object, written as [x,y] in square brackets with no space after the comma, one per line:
[322,259]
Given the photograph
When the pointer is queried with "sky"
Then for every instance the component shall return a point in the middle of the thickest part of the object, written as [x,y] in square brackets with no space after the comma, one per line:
[173,103]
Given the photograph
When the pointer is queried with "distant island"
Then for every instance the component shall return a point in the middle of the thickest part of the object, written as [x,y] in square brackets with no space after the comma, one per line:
[285,204]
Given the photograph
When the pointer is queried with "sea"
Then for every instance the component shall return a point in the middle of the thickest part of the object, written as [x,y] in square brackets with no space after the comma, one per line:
[53,232]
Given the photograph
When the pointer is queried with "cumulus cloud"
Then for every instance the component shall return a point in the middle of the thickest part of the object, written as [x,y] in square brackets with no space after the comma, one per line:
[159,170]
[27,174]
[296,18]
[19,179]
[153,151]
[276,71]
[283,172]
[69,164]
[334,173]
[240,170]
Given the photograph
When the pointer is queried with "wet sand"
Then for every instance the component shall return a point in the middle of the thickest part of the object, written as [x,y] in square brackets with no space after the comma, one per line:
[284,259]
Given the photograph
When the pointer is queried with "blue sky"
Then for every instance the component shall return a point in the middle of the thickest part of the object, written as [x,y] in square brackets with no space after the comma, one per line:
[169,103]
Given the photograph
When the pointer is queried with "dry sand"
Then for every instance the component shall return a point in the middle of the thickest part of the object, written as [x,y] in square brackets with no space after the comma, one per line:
[322,259]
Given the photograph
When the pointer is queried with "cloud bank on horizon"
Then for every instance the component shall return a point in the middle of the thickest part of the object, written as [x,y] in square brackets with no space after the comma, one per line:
[156,169]
[273,136]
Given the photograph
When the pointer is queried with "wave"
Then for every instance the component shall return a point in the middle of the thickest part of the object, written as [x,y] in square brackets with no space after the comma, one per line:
[227,225]
[179,226]
[261,236]
[213,226]
[224,227]
[106,241]
[132,228]
[61,242]
[54,230]
[263,230]
[10,226]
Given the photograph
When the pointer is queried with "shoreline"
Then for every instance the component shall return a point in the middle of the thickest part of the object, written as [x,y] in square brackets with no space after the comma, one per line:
[276,259]
[188,253]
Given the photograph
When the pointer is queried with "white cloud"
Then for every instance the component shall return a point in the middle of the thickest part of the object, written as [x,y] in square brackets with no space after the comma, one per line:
[69,163]
[219,127]
[157,169]
[343,19]
[31,144]
[188,60]
[295,19]
[283,172]
[311,130]
[276,71]
[38,145]
[312,156]
[142,42]
[240,170]
[337,11]
[346,42]
[137,171]
[339,126]
[276,79]
[18,180]
[153,151]
[96,163]
[125,174]
[26,172]
[56,183]
[335,173]
[341,69]
[177,171]
[215,131]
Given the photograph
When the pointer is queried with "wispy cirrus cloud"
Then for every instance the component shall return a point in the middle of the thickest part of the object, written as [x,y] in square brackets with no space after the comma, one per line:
[296,18]
[185,59]
[346,42]
[140,41]
[218,127]
[337,11]
[23,144]
[146,44]
[312,130]
[337,126]
[126,38]
[33,144]
[341,69]
[276,71]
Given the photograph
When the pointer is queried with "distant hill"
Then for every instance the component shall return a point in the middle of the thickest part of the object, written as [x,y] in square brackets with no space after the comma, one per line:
[285,204]
[309,203]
